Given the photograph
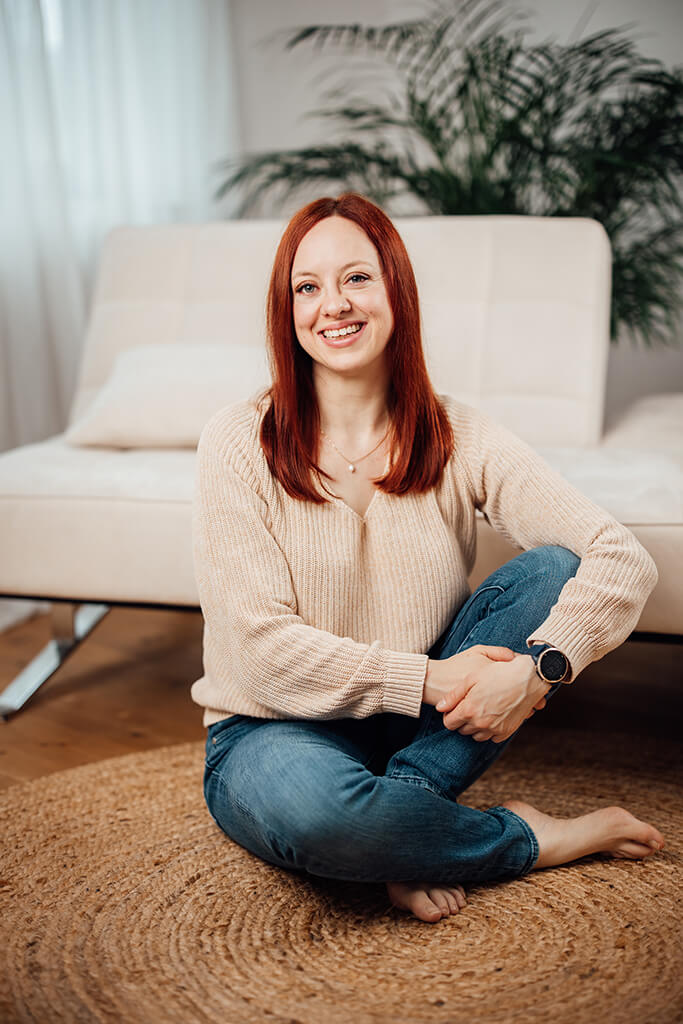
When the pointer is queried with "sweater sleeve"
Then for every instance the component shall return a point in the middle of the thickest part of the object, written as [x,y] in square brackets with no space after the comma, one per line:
[527,501]
[250,608]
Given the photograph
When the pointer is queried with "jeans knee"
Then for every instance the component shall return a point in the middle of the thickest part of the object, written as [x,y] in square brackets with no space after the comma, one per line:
[563,561]
[554,560]
[340,830]
[310,827]
[303,808]
[333,817]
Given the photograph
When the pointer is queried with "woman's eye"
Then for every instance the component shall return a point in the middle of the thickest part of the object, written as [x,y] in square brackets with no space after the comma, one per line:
[307,288]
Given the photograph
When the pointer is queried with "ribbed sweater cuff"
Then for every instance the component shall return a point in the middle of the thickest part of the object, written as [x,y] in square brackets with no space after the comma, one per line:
[404,683]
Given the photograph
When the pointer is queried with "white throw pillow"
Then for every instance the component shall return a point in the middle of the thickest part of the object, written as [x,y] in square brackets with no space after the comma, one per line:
[160,396]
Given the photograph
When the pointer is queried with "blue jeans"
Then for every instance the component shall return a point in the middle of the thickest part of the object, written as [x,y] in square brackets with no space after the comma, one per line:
[376,799]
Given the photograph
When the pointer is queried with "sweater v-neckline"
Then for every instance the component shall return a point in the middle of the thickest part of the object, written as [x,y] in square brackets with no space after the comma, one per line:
[363,517]
[345,504]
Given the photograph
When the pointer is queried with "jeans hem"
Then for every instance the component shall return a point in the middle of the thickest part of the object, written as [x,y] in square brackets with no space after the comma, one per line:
[533,841]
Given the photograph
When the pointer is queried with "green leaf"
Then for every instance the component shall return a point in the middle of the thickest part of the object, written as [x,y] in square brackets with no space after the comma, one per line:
[485,122]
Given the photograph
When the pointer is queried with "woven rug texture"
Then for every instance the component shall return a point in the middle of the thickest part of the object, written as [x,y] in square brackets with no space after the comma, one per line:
[121,900]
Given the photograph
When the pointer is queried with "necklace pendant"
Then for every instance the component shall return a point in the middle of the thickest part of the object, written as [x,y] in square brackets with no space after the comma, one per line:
[352,468]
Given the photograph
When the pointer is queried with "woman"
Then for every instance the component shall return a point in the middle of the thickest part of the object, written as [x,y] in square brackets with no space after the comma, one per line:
[334,530]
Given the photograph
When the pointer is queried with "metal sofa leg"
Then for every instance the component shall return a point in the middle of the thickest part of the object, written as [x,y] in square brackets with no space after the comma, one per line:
[71,623]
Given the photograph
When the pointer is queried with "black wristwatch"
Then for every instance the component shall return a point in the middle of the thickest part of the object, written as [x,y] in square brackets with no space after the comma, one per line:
[551,665]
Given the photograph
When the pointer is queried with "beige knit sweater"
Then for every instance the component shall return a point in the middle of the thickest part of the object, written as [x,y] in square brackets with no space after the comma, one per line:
[312,612]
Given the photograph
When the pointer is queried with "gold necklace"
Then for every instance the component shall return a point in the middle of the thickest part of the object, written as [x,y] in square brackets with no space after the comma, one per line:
[352,465]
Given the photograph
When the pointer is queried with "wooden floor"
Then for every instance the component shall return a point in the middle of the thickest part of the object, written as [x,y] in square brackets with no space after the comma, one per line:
[127,688]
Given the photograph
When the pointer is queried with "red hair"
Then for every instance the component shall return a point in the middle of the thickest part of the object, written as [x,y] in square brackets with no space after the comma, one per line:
[421,437]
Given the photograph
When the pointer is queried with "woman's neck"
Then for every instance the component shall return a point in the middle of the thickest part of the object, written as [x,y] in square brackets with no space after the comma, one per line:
[353,415]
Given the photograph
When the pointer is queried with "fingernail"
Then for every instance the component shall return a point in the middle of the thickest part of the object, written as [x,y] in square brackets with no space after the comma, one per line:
[655,844]
[441,705]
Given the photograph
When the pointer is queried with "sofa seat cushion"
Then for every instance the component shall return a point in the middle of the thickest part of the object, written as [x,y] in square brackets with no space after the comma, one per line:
[636,487]
[644,491]
[636,473]
[54,469]
[97,524]
[652,423]
[100,524]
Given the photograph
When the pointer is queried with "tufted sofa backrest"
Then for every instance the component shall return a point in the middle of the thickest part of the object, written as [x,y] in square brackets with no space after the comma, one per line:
[515,309]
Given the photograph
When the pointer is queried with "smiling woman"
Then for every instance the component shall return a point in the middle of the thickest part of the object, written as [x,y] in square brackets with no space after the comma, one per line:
[341,302]
[353,686]
[350,383]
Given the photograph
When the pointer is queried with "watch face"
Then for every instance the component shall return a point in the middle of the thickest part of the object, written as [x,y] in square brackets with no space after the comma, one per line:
[553,665]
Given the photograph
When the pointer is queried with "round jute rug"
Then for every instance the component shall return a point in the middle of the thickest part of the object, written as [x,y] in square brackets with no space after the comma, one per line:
[121,900]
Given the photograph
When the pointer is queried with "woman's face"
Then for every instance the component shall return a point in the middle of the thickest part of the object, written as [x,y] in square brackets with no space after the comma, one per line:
[342,315]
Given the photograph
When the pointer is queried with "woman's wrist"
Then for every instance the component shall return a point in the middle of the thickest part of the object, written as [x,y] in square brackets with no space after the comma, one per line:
[430,695]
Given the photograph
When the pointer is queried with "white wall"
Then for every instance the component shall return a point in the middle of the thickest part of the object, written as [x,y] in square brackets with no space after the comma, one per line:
[277,88]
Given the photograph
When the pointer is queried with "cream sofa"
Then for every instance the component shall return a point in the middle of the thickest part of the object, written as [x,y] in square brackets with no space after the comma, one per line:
[515,313]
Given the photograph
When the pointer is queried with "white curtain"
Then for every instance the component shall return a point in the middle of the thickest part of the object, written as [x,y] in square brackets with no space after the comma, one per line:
[111,111]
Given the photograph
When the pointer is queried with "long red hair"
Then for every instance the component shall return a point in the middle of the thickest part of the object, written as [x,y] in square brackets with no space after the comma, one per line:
[421,437]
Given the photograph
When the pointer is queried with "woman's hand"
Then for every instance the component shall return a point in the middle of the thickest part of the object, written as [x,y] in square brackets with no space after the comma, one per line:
[487,692]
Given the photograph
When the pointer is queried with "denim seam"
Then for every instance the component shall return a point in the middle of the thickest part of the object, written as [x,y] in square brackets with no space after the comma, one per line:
[494,586]
[483,590]
[235,800]
[533,842]
[419,781]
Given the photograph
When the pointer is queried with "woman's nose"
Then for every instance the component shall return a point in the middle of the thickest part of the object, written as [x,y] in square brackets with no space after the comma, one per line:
[335,302]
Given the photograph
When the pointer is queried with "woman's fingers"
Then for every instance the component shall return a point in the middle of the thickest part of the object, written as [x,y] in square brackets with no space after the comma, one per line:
[449,700]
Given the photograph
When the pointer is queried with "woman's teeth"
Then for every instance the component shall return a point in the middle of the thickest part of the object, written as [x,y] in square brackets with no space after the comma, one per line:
[342,332]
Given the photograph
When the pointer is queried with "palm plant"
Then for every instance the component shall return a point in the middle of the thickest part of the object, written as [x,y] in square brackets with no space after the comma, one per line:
[486,123]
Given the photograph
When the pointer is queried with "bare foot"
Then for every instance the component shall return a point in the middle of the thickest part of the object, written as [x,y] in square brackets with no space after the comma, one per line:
[426,901]
[610,831]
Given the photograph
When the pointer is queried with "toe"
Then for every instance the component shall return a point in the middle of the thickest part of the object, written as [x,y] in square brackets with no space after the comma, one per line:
[439,897]
[460,897]
[646,834]
[453,905]
[426,909]
[636,849]
[457,894]
[629,849]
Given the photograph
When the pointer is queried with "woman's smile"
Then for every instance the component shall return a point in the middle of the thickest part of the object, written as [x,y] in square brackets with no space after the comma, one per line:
[342,337]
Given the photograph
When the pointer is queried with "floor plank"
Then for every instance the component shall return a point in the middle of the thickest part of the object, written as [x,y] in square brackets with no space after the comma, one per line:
[126,688]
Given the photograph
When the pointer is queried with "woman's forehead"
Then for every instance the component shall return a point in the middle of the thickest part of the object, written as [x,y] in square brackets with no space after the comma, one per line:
[334,240]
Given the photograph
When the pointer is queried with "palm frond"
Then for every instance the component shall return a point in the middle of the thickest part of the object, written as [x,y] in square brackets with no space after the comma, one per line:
[485,122]
[352,165]
[358,118]
[645,302]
